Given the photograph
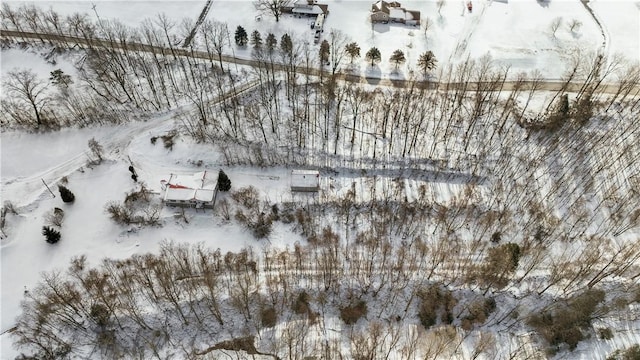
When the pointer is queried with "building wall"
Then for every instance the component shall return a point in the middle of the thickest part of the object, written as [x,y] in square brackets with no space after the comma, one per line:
[379,17]
[187,204]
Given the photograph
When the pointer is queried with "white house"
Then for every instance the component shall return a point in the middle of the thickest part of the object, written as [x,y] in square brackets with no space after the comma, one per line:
[305,180]
[197,190]
[309,8]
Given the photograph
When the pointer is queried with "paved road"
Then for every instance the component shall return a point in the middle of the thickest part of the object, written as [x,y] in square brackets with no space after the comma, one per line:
[545,85]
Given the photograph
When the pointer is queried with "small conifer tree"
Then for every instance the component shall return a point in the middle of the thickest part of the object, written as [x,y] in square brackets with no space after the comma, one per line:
[241,36]
[66,194]
[51,235]
[224,183]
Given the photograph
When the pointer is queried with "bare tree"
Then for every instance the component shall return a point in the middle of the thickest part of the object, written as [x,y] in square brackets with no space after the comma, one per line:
[337,41]
[216,37]
[271,7]
[427,24]
[26,86]
[555,25]
[574,25]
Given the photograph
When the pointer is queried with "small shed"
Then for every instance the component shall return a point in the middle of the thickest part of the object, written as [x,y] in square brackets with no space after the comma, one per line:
[305,180]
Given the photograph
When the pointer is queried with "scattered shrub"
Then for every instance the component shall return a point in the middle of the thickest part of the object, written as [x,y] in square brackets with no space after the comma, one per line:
[269,317]
[140,196]
[352,313]
[565,321]
[247,197]
[605,333]
[119,213]
[55,217]
[100,314]
[632,353]
[9,207]
[435,302]
[262,227]
[327,238]
[169,139]
[96,149]
[137,208]
[301,304]
[478,312]
[51,235]
[66,194]
[225,209]
[501,262]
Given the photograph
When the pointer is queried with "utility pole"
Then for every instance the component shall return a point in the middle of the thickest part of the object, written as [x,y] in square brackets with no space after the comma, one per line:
[47,186]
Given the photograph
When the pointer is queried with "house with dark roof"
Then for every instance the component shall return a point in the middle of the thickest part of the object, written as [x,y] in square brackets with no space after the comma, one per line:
[384,12]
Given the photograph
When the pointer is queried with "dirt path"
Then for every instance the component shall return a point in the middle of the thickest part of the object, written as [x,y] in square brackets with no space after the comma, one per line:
[545,85]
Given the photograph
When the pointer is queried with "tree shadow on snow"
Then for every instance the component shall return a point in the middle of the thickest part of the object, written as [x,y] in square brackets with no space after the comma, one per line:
[397,77]
[373,74]
[544,3]
[380,27]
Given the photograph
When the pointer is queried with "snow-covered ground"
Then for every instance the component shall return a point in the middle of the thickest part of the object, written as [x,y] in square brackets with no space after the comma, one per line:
[514,33]
[621,22]
[518,34]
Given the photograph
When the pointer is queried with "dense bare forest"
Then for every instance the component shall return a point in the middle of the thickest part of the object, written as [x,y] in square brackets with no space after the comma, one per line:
[543,236]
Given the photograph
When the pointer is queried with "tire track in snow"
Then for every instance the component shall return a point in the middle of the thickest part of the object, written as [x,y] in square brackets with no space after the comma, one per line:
[604,48]
[467,31]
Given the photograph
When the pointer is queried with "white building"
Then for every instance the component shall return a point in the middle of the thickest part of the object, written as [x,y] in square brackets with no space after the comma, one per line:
[305,180]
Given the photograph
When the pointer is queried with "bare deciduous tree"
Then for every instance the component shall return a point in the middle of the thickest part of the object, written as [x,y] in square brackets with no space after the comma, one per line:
[271,7]
[337,41]
[29,89]
[574,25]
[555,25]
